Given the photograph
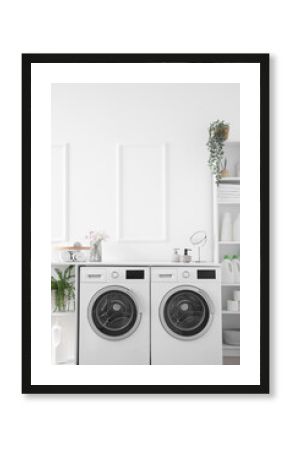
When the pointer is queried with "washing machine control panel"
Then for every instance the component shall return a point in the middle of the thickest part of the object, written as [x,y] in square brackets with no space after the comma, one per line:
[203,274]
[135,274]
[115,274]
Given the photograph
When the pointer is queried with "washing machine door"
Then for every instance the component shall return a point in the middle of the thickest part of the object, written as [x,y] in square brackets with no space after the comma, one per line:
[113,313]
[186,312]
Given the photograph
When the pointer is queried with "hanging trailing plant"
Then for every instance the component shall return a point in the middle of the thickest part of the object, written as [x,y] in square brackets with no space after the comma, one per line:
[218,134]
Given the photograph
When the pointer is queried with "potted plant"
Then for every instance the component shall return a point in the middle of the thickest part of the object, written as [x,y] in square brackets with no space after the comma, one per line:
[218,134]
[63,289]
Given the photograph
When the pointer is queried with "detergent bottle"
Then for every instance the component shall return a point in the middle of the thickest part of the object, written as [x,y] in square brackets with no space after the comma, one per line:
[236,269]
[227,270]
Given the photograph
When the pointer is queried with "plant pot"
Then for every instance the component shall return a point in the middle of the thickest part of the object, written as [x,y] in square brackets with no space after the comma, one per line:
[225,173]
[222,132]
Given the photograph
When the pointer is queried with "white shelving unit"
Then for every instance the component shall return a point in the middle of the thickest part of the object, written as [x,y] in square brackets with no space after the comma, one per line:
[231,351]
[66,353]
[221,248]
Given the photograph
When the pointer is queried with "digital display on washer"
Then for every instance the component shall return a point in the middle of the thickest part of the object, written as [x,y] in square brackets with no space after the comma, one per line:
[135,274]
[206,274]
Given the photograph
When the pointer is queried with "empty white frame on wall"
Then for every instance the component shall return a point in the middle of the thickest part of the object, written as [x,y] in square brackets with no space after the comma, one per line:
[59,193]
[142,193]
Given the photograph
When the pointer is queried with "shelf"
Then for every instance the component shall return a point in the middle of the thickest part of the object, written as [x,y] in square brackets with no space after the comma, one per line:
[70,361]
[229,242]
[226,312]
[69,263]
[60,313]
[228,203]
[231,350]
[230,179]
[69,247]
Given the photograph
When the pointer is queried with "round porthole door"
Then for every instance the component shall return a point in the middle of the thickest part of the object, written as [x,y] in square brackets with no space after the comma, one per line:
[186,312]
[113,313]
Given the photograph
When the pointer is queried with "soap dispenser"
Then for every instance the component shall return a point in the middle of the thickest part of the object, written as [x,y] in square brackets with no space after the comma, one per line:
[175,256]
[186,256]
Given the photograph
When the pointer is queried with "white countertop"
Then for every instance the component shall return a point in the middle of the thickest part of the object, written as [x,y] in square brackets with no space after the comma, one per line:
[139,263]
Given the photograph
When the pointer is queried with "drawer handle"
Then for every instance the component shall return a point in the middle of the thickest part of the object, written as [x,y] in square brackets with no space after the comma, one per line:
[165,275]
[94,275]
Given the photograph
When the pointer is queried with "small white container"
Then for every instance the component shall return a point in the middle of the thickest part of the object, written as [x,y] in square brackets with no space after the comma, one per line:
[227,271]
[186,257]
[233,305]
[175,256]
[56,339]
[236,228]
[237,296]
[79,257]
[231,337]
[236,269]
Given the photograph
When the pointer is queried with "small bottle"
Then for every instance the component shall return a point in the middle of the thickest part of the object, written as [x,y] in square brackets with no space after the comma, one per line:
[56,339]
[236,269]
[186,256]
[175,256]
[236,228]
[227,270]
[237,295]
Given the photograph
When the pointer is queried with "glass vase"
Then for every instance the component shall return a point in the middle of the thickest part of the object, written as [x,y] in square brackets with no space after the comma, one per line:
[63,304]
[96,251]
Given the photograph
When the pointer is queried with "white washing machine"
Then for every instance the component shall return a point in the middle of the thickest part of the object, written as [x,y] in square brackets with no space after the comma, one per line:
[114,315]
[186,321]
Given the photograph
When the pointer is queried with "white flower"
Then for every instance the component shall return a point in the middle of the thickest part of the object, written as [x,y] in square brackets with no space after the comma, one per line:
[96,236]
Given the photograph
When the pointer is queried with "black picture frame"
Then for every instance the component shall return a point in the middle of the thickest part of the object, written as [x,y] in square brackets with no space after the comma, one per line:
[263,61]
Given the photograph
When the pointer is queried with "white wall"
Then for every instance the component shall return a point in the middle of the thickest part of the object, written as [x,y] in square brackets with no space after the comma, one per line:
[94,118]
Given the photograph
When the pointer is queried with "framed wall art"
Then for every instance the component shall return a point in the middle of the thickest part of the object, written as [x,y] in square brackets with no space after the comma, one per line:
[145,245]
